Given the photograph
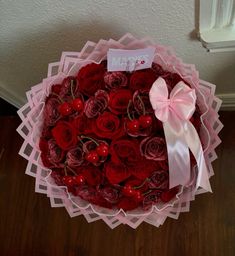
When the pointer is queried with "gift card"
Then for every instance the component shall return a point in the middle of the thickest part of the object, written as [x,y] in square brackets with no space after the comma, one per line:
[130,60]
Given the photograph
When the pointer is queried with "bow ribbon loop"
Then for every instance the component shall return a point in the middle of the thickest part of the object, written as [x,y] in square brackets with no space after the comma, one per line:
[181,102]
[174,111]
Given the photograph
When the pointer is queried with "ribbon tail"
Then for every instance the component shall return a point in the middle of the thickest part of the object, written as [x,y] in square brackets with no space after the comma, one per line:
[178,155]
[195,146]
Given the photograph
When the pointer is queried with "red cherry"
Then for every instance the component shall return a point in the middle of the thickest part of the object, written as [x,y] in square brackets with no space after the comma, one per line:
[138,196]
[79,179]
[77,104]
[145,121]
[128,191]
[68,180]
[65,109]
[133,125]
[102,149]
[92,157]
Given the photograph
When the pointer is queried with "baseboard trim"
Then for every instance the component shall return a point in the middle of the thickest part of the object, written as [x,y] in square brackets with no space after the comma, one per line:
[228,101]
[11,97]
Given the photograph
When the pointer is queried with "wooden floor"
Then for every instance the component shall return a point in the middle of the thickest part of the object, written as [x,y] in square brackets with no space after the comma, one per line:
[29,226]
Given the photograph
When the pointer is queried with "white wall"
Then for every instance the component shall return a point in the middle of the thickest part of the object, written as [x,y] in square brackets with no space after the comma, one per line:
[35,32]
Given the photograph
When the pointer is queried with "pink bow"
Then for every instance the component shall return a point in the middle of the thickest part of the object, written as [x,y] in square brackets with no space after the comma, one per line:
[180,134]
[181,102]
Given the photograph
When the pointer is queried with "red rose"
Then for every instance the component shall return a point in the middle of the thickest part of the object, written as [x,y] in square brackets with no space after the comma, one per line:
[65,135]
[91,195]
[159,179]
[141,102]
[51,113]
[110,194]
[114,80]
[86,192]
[92,175]
[82,125]
[142,79]
[108,125]
[51,154]
[75,157]
[55,154]
[125,151]
[126,161]
[91,79]
[143,169]
[119,100]
[97,104]
[116,173]
[151,199]
[43,145]
[153,148]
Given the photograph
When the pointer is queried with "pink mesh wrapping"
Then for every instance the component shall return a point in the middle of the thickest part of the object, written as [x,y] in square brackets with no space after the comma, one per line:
[69,64]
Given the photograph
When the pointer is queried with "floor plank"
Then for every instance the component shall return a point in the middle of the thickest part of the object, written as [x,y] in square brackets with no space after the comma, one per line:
[29,226]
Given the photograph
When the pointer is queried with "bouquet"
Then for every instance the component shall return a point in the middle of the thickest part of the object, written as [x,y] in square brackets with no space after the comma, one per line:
[122,131]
